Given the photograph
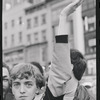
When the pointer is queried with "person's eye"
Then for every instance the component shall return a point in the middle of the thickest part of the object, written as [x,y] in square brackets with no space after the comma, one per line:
[29,85]
[16,85]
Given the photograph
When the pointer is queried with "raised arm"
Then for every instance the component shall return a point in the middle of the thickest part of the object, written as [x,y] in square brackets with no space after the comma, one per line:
[61,67]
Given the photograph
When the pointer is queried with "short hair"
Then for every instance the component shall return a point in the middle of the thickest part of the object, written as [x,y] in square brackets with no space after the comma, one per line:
[26,70]
[38,66]
[79,63]
[40,83]
[6,66]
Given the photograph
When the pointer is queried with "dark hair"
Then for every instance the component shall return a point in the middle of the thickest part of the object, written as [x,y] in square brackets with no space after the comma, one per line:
[6,66]
[27,70]
[42,82]
[38,66]
[78,62]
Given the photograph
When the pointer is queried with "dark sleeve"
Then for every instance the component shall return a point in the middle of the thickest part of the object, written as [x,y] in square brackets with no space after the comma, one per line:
[49,96]
[61,39]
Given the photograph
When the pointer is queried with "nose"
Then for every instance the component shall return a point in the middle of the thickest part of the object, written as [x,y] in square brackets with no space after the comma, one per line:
[22,89]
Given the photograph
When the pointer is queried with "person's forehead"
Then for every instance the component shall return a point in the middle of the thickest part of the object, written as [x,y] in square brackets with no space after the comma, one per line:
[31,79]
[5,71]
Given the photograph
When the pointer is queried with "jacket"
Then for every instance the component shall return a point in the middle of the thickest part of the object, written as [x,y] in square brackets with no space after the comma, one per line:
[60,71]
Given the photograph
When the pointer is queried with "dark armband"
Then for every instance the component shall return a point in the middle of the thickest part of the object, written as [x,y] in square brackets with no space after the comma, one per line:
[62,39]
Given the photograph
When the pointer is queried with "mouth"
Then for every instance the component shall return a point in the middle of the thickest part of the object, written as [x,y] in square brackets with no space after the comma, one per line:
[22,96]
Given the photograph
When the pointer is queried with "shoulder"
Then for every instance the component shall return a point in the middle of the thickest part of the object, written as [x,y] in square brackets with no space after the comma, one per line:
[9,96]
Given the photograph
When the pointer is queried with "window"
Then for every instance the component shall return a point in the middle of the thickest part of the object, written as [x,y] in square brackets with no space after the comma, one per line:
[89,23]
[12,22]
[43,19]
[87,50]
[20,20]
[20,37]
[35,21]
[36,37]
[5,25]
[85,22]
[90,46]
[5,41]
[28,23]
[92,42]
[95,49]
[29,38]
[44,35]
[12,39]
[91,64]
[7,6]
[91,50]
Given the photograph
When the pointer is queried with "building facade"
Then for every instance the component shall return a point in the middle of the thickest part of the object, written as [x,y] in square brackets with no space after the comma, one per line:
[29,29]
[14,34]
[89,22]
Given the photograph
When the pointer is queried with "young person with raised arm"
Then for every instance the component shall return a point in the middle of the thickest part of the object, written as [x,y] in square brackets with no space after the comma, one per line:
[26,79]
